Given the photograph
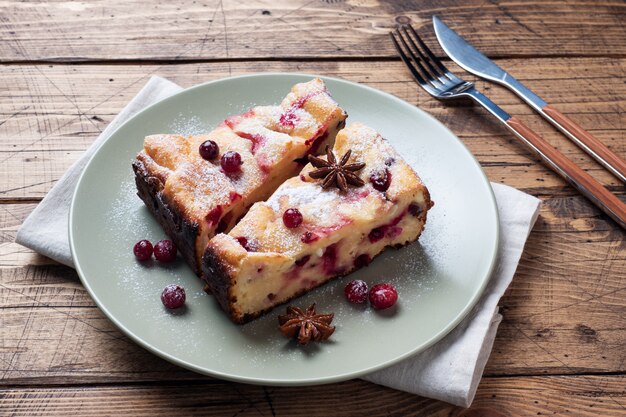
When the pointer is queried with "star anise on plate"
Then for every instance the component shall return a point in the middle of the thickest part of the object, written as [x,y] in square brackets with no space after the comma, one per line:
[306,325]
[336,173]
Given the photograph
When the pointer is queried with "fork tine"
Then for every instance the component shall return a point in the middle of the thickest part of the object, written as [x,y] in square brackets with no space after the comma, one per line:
[432,56]
[407,61]
[427,78]
[435,73]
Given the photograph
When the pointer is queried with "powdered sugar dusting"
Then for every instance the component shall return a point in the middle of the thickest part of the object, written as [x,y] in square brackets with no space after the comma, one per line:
[201,185]
[366,145]
[201,334]
[122,212]
[292,194]
[189,125]
[270,115]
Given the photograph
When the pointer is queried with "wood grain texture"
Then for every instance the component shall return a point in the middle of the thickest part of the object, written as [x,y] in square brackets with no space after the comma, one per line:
[67,68]
[497,397]
[216,29]
[563,314]
[53,112]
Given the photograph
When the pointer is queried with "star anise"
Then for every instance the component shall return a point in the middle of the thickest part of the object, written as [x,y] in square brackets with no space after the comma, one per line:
[306,325]
[339,174]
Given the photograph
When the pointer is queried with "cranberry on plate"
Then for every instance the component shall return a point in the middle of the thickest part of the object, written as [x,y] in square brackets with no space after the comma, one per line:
[383,296]
[143,250]
[173,296]
[356,291]
[165,251]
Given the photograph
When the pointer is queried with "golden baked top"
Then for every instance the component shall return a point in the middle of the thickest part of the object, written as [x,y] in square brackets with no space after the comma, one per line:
[389,181]
[267,138]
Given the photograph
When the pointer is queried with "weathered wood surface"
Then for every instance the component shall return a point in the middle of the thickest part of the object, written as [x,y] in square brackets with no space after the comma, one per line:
[497,397]
[67,68]
[555,322]
[53,112]
[216,29]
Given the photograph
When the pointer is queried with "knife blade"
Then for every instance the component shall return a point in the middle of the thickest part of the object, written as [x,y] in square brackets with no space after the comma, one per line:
[473,61]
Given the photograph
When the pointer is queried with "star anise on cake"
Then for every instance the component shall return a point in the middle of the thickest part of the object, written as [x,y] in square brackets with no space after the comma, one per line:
[339,174]
[306,325]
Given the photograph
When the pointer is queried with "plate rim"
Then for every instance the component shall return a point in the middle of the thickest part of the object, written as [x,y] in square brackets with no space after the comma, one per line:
[495,249]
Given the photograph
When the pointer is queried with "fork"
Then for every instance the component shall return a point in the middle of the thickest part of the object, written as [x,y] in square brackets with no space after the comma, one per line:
[439,82]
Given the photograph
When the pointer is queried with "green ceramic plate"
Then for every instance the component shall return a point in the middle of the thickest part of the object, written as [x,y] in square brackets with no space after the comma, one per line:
[438,279]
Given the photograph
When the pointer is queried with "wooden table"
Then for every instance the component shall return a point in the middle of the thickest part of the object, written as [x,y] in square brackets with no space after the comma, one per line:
[66,69]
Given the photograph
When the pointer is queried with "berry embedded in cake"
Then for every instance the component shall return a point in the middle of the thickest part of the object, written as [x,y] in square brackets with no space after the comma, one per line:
[197,186]
[372,200]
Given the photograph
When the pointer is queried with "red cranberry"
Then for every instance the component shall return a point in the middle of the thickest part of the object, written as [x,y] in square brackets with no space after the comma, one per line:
[394,232]
[376,234]
[244,243]
[288,119]
[256,139]
[221,227]
[330,259]
[209,150]
[362,260]
[231,162]
[356,291]
[415,210]
[383,296]
[173,296]
[309,237]
[214,215]
[302,261]
[165,251]
[292,218]
[143,250]
[381,180]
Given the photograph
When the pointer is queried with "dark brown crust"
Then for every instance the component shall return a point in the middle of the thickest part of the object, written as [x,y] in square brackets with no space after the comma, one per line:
[428,201]
[181,230]
[219,285]
[219,280]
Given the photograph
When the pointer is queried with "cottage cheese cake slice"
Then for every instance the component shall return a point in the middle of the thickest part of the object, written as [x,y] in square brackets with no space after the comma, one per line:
[193,198]
[276,253]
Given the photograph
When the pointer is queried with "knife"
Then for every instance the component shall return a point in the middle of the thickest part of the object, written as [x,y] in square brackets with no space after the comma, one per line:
[472,60]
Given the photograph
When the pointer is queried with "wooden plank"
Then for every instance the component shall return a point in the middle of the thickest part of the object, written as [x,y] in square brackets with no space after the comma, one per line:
[562,313]
[53,113]
[78,345]
[212,29]
[584,88]
[496,397]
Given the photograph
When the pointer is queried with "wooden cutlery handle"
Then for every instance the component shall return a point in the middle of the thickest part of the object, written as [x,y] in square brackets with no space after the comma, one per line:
[571,172]
[588,142]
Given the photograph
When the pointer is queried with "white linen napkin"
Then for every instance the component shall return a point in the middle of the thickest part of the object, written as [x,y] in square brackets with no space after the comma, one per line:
[449,371]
